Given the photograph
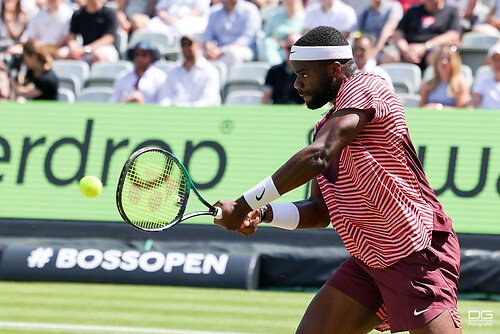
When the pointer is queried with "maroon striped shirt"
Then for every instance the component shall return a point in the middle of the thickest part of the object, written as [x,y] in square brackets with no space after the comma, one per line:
[378,197]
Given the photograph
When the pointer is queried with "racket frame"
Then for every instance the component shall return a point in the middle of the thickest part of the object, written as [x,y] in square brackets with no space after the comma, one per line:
[212,211]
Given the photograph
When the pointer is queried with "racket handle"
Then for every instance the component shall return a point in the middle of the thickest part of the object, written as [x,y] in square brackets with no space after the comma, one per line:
[218,212]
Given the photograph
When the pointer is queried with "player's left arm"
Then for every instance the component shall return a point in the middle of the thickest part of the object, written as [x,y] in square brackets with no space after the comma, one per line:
[342,127]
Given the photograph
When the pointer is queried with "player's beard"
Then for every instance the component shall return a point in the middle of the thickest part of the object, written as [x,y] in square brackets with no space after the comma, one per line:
[322,97]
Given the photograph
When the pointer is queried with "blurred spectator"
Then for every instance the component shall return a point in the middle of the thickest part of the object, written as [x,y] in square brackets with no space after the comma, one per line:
[466,12]
[51,25]
[97,25]
[4,82]
[13,23]
[195,82]
[381,20]
[178,17]
[448,87]
[231,34]
[486,90]
[358,5]
[142,85]
[279,85]
[424,27]
[333,13]
[40,82]
[134,14]
[492,24]
[408,3]
[287,18]
[362,51]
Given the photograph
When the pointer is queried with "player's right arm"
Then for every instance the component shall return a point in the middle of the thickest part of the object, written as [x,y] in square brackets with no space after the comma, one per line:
[342,127]
[313,213]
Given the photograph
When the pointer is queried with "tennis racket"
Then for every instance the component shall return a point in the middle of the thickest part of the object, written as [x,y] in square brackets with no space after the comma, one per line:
[154,189]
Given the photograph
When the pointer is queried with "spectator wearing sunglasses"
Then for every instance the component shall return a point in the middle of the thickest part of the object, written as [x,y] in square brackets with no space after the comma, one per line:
[142,84]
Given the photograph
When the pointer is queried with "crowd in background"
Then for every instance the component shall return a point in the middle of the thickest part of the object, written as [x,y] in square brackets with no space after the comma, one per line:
[226,33]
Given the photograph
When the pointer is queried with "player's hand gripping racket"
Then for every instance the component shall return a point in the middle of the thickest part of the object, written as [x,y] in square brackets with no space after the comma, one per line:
[153,191]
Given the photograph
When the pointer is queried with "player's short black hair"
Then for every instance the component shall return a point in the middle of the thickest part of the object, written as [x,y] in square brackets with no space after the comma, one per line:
[322,36]
[327,36]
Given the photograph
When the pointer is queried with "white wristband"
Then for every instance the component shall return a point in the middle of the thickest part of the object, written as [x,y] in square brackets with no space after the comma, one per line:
[285,215]
[263,193]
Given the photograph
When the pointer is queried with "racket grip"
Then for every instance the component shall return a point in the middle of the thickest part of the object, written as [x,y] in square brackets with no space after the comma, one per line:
[218,212]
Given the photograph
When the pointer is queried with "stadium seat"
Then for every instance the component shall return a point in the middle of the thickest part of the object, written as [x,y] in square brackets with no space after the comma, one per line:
[474,48]
[246,76]
[222,68]
[95,95]
[165,65]
[70,81]
[466,70]
[406,77]
[482,71]
[103,74]
[121,42]
[65,95]
[243,97]
[71,72]
[409,99]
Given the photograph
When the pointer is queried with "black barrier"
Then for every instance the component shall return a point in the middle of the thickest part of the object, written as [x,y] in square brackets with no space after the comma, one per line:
[67,264]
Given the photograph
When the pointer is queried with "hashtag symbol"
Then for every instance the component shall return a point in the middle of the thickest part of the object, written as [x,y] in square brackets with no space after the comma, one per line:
[40,257]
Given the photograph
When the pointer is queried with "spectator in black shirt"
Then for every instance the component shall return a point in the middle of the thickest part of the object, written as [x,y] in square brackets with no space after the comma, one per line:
[278,88]
[97,25]
[424,28]
[40,82]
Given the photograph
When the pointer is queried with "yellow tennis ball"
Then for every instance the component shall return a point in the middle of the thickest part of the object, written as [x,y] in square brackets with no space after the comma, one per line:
[90,186]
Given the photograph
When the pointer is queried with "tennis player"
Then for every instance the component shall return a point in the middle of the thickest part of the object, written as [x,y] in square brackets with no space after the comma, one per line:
[369,184]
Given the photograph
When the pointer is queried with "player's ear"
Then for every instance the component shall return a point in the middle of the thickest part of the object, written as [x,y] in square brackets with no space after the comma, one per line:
[333,69]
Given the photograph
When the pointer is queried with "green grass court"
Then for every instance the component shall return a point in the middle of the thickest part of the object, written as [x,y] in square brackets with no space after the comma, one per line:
[27,307]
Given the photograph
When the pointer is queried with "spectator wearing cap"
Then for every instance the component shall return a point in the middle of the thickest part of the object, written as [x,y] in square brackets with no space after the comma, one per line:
[486,90]
[424,28]
[231,34]
[142,84]
[195,82]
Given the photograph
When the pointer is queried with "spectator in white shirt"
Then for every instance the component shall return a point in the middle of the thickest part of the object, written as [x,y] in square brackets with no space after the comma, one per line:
[195,82]
[178,17]
[51,25]
[332,13]
[486,90]
[362,51]
[141,85]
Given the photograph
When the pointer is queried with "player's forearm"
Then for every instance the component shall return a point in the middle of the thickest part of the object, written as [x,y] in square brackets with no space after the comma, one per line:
[333,137]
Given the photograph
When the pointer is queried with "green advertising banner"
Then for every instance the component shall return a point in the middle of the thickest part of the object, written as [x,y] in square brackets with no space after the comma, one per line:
[45,148]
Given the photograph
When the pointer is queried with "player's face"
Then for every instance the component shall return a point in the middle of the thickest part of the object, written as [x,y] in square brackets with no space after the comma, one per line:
[315,83]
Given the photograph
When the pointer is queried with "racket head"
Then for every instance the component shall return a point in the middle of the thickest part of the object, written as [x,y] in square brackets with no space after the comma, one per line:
[153,190]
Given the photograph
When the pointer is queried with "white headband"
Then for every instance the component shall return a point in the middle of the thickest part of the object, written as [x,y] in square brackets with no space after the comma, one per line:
[309,53]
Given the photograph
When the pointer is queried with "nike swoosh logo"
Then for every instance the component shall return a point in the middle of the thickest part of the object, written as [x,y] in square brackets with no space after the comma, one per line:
[292,52]
[415,312]
[258,198]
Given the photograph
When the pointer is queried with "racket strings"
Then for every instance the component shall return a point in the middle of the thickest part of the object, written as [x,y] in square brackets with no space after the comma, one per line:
[156,190]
